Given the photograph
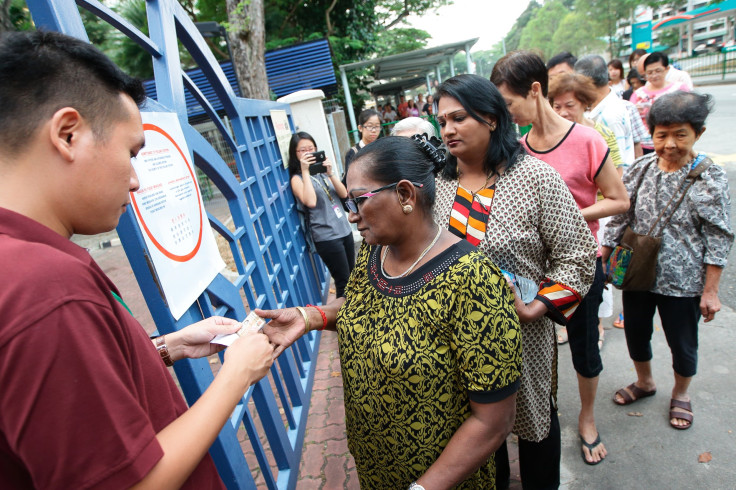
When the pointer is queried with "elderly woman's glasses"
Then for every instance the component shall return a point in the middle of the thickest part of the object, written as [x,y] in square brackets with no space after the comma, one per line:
[352,204]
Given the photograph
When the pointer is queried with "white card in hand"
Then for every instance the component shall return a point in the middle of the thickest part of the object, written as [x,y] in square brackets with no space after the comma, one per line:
[252,324]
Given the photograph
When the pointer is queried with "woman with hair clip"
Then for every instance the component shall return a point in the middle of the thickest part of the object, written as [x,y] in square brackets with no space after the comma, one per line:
[518,211]
[321,193]
[430,347]
[369,128]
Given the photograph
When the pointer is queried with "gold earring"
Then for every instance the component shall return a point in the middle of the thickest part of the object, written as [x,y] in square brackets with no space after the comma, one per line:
[407,208]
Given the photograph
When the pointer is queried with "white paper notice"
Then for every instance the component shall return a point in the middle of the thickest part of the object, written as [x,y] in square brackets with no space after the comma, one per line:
[281,127]
[170,212]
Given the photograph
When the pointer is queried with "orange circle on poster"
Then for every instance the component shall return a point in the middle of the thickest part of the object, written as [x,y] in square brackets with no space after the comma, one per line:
[161,248]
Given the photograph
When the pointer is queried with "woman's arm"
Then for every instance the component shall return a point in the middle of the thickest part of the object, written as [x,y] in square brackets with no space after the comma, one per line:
[472,444]
[709,302]
[287,325]
[615,198]
[570,247]
[302,187]
[342,192]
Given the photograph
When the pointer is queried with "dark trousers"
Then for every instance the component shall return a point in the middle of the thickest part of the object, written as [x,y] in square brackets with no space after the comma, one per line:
[339,257]
[680,317]
[582,329]
[539,462]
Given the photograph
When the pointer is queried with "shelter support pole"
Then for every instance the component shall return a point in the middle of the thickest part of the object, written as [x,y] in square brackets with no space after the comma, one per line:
[437,72]
[452,66]
[469,60]
[349,103]
[429,85]
[679,41]
[729,29]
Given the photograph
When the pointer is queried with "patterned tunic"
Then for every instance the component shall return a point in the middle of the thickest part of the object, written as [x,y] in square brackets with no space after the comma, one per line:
[699,232]
[535,230]
[414,351]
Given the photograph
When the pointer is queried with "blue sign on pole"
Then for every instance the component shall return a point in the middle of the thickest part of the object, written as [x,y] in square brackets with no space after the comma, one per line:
[641,36]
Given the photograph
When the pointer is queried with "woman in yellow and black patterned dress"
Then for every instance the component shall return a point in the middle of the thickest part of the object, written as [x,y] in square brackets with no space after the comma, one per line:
[429,339]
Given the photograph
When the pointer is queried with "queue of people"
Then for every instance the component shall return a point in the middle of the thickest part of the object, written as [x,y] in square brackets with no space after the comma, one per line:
[474,247]
[532,207]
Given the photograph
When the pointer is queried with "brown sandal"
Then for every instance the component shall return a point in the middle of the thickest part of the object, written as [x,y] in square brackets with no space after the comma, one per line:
[632,393]
[677,414]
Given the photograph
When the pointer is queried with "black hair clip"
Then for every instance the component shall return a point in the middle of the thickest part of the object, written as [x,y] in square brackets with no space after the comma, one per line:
[432,147]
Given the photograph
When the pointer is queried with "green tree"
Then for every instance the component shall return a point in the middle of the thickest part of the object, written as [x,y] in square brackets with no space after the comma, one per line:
[400,40]
[356,30]
[539,32]
[513,37]
[574,35]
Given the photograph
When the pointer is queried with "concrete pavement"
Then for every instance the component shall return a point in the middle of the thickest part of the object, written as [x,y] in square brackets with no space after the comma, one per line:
[644,451]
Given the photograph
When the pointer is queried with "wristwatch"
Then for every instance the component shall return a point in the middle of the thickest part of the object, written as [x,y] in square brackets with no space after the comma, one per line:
[416,486]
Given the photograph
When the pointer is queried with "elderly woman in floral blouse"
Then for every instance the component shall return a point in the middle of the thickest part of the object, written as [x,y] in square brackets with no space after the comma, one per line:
[695,246]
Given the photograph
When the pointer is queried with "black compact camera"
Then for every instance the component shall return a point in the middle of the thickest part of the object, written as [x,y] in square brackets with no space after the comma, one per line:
[318,166]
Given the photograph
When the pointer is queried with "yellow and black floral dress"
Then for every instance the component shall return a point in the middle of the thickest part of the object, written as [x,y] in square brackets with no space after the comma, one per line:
[414,351]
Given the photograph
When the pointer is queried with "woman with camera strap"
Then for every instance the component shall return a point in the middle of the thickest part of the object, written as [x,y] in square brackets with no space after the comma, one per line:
[318,191]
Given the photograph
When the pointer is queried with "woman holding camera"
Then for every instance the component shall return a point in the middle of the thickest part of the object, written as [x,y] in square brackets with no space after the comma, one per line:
[317,188]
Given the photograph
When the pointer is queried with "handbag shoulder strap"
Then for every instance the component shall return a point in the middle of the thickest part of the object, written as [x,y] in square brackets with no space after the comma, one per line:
[701,164]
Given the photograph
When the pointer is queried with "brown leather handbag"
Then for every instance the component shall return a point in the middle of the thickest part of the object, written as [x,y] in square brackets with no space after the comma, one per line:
[643,250]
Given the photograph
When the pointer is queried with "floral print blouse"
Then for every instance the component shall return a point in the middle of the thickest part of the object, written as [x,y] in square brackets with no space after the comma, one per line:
[698,233]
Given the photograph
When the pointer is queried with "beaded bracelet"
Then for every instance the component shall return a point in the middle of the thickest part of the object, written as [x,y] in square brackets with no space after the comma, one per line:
[306,318]
[324,315]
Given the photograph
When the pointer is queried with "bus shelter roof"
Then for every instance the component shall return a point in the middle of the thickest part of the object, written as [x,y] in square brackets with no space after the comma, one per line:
[406,67]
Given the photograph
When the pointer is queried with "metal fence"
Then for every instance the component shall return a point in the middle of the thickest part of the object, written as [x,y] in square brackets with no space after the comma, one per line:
[709,64]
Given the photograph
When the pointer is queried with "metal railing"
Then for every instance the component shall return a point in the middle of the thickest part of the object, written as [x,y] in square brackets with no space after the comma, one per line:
[708,64]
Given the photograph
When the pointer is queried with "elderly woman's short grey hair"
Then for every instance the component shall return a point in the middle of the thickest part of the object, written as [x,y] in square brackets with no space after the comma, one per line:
[414,125]
[680,108]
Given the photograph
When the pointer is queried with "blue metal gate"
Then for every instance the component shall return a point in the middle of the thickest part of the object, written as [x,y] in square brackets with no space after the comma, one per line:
[273,264]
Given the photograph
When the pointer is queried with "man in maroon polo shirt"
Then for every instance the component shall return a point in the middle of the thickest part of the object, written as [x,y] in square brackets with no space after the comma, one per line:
[85,398]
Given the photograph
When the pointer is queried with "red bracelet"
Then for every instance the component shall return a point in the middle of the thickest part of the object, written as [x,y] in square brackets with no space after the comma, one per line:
[324,316]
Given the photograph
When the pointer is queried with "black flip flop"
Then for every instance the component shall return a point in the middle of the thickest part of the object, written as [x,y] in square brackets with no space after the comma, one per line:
[590,447]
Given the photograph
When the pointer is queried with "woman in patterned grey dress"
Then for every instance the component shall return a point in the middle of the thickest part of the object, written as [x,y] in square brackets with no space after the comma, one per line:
[519,212]
[695,246]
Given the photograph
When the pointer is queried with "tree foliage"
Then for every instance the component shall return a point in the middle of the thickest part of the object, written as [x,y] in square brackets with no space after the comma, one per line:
[578,26]
[539,32]
[400,40]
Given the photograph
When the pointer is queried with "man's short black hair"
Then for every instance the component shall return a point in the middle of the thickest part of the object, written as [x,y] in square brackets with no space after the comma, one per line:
[42,72]
[565,57]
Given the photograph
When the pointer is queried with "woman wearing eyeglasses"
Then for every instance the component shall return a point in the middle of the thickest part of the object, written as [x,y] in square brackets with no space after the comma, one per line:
[321,194]
[428,335]
[518,211]
[369,127]
[656,66]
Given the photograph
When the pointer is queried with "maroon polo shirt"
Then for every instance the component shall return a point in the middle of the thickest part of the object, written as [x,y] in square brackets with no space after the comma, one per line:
[83,392]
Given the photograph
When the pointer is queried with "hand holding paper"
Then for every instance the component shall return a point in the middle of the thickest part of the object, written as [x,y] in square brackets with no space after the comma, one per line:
[252,324]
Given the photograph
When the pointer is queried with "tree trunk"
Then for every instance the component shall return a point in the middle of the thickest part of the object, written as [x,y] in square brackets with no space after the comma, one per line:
[248,43]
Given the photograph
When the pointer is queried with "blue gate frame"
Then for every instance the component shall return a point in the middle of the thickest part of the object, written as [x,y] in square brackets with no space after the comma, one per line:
[274,266]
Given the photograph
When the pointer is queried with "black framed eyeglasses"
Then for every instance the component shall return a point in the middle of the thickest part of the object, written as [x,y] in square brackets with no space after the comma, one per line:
[353,203]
